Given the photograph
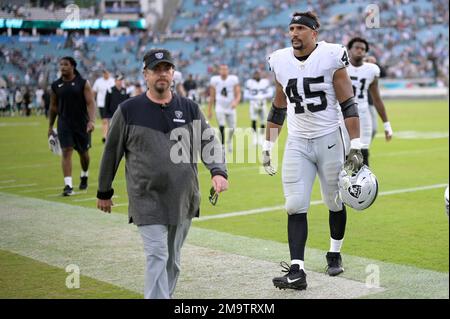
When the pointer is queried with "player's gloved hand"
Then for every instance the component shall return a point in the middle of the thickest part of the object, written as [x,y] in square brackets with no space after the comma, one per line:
[388,131]
[355,158]
[267,158]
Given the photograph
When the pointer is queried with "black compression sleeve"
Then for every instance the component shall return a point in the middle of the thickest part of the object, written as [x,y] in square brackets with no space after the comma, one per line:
[349,108]
[277,115]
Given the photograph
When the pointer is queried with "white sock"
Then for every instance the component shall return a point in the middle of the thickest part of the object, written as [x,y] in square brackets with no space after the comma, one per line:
[84,174]
[298,262]
[68,181]
[335,245]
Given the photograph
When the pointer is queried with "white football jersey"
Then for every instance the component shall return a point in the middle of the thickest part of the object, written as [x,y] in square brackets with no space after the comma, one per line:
[313,109]
[101,86]
[224,91]
[257,92]
[177,78]
[362,77]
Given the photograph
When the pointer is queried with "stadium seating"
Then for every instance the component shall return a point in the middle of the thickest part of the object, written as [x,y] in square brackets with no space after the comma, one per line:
[242,33]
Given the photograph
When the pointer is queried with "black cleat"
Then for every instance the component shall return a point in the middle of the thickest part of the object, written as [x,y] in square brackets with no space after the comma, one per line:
[294,279]
[68,191]
[83,183]
[334,261]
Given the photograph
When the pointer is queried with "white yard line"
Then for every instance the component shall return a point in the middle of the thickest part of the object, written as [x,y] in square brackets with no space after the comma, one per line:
[75,193]
[89,199]
[35,190]
[316,202]
[416,135]
[7,181]
[120,205]
[17,186]
[401,153]
[313,203]
[19,124]
[28,166]
[253,168]
[410,190]
[60,234]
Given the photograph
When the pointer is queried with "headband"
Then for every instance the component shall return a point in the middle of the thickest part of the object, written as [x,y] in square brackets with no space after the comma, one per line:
[304,20]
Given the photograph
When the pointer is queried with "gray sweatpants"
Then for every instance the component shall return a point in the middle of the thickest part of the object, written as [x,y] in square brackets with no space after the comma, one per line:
[162,248]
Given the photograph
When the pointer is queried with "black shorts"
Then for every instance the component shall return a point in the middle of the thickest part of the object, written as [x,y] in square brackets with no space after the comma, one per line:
[103,113]
[77,138]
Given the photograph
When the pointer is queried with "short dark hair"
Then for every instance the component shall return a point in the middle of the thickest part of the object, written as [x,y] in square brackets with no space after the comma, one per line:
[358,39]
[308,14]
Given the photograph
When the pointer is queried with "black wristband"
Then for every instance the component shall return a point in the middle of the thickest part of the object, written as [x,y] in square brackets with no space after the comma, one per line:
[216,172]
[105,195]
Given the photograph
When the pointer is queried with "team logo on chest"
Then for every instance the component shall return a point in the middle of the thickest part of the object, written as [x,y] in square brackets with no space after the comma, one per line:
[179,115]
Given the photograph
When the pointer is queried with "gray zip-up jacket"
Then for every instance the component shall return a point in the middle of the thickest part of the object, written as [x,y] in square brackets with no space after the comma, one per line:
[161,144]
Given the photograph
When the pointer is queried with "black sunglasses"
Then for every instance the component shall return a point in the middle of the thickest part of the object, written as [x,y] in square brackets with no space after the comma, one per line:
[213,196]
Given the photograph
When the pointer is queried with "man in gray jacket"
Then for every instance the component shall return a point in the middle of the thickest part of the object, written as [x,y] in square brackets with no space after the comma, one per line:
[161,135]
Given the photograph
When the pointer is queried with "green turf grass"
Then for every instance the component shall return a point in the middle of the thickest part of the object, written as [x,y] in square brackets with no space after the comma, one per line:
[24,278]
[409,228]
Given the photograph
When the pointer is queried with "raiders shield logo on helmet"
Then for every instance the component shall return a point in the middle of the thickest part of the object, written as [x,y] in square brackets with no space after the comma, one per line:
[358,191]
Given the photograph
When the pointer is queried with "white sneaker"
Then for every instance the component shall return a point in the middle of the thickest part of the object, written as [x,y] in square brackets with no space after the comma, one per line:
[261,139]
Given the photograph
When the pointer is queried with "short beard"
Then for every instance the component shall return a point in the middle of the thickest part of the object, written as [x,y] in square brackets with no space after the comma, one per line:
[159,89]
[298,47]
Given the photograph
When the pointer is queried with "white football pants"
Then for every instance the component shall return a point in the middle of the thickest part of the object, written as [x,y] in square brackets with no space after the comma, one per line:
[303,159]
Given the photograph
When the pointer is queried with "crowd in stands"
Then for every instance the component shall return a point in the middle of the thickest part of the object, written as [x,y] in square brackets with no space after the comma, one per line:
[49,10]
[404,44]
[409,43]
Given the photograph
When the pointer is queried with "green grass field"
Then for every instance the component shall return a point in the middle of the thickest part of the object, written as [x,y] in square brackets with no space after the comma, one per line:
[406,228]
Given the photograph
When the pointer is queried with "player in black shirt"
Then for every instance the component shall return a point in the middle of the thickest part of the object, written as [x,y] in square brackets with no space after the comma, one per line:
[114,96]
[72,101]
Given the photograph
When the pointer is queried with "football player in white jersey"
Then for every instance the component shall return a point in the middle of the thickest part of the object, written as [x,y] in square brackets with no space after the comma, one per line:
[101,86]
[225,94]
[178,83]
[373,111]
[311,83]
[257,91]
[364,78]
